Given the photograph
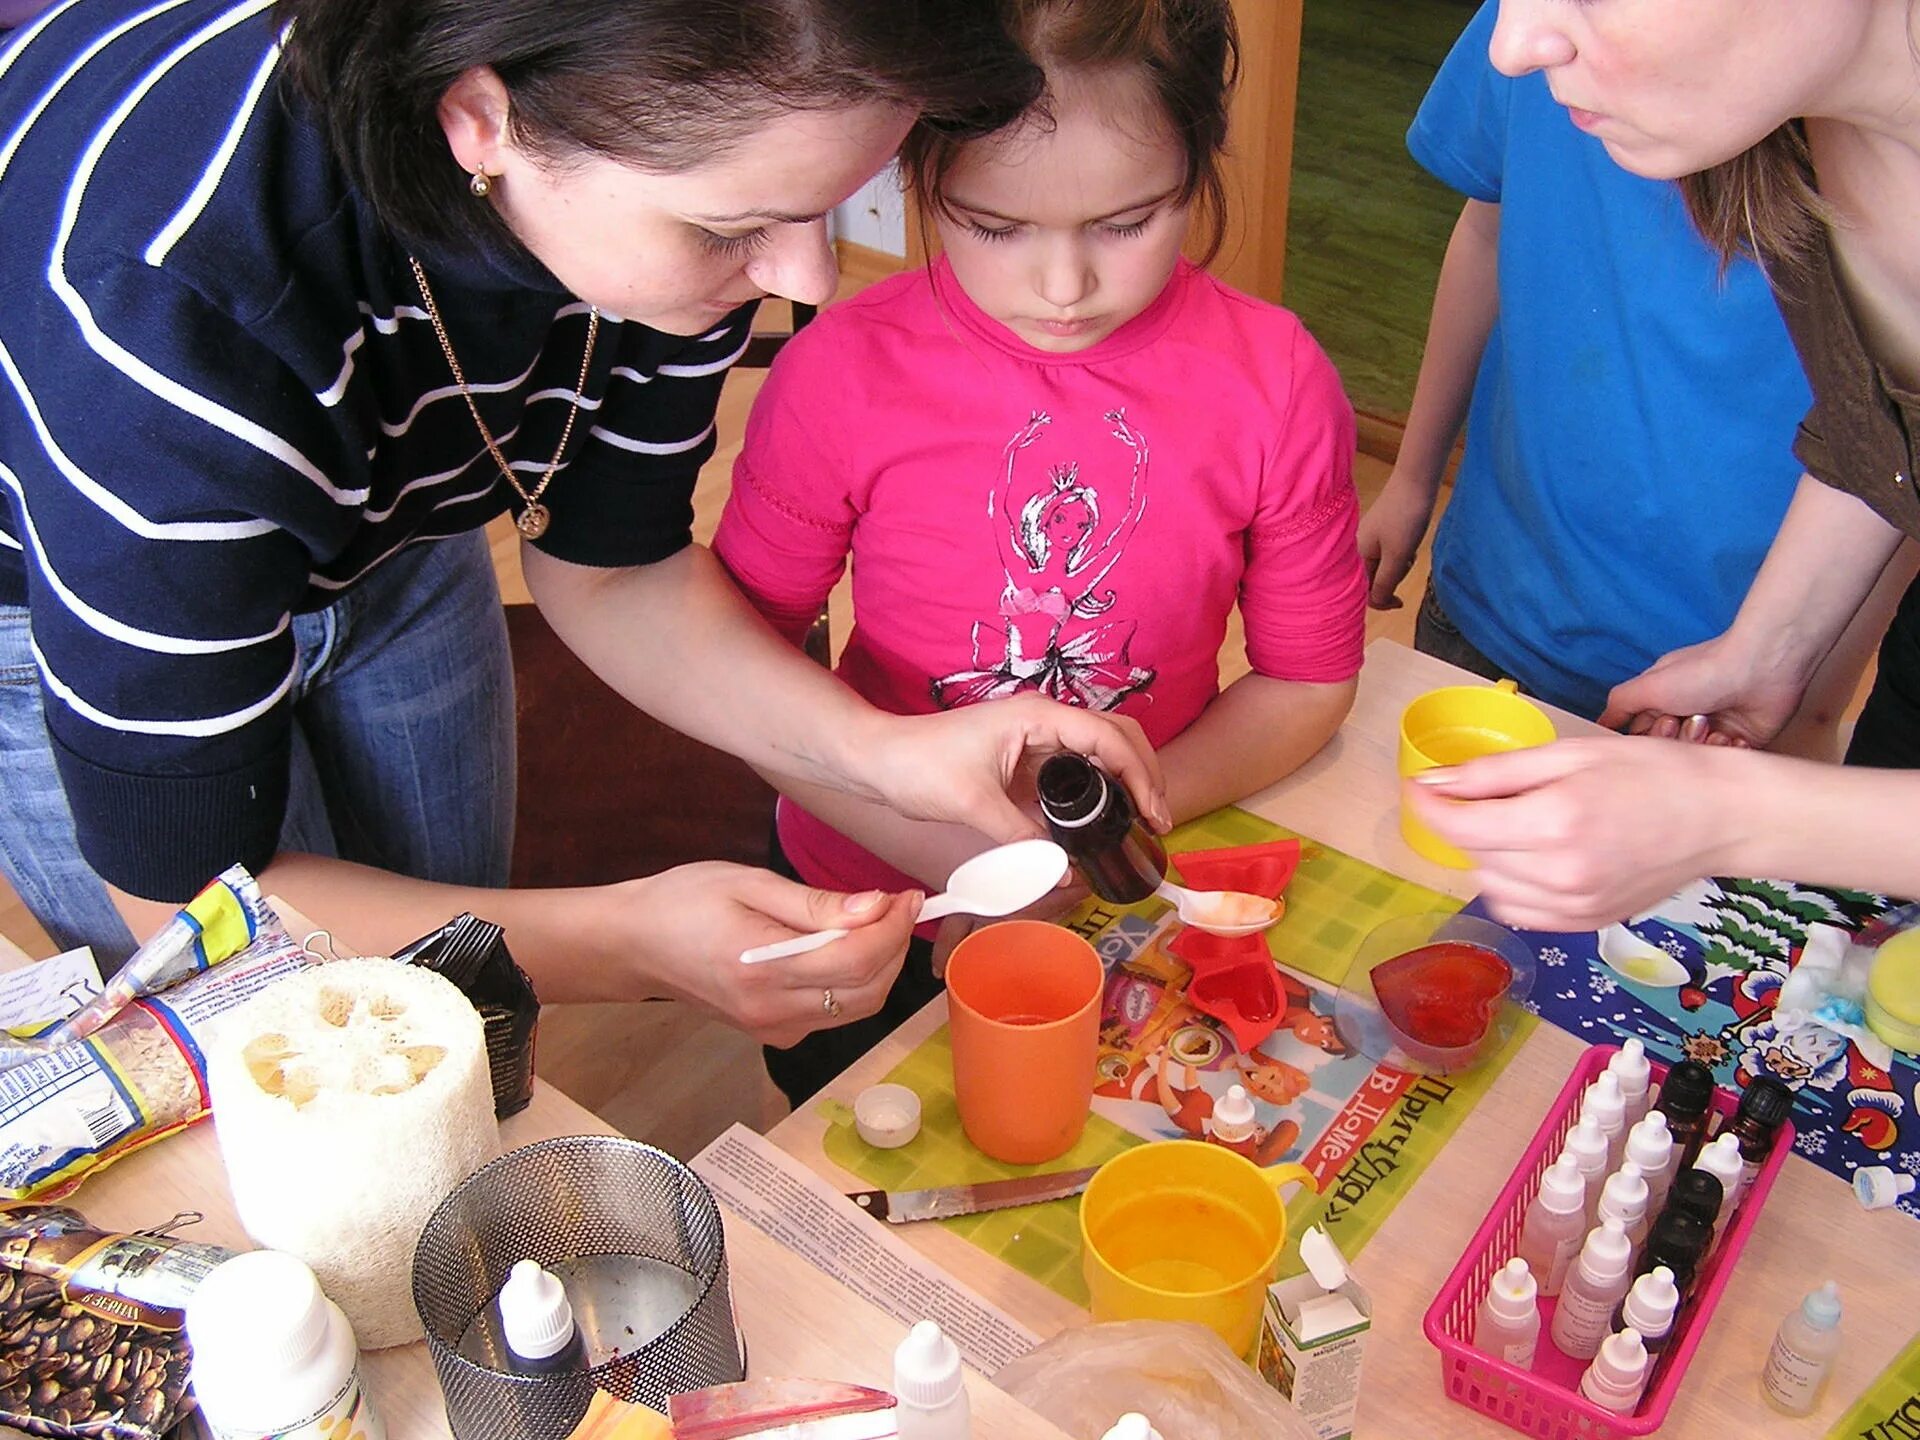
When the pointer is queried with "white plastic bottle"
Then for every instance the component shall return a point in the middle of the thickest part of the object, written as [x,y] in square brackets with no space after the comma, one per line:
[536,1321]
[1618,1375]
[1132,1426]
[928,1383]
[1635,1075]
[1803,1352]
[1596,1284]
[1587,1144]
[1624,1198]
[1721,1159]
[1234,1118]
[273,1358]
[1555,1225]
[1603,1103]
[1650,1146]
[1650,1307]
[1508,1322]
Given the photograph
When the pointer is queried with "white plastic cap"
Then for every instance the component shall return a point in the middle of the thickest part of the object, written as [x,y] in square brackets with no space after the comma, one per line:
[1587,1143]
[536,1318]
[926,1368]
[1649,1142]
[1233,1114]
[1624,1196]
[1721,1159]
[1511,1295]
[1631,1069]
[1604,1103]
[1563,1189]
[1650,1304]
[1605,1255]
[1878,1186]
[261,1311]
[1132,1426]
[1623,1357]
[1821,1309]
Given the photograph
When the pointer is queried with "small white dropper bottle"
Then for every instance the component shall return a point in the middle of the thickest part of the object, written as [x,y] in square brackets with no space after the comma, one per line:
[1650,1146]
[536,1321]
[1604,1104]
[1507,1324]
[1624,1198]
[1132,1426]
[1803,1353]
[1555,1225]
[1587,1144]
[1721,1159]
[1618,1374]
[1597,1284]
[1635,1075]
[929,1385]
[1234,1117]
[1650,1307]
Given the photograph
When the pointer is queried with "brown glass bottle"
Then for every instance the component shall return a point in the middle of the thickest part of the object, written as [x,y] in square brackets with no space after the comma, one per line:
[1093,820]
[1686,1099]
[1764,1107]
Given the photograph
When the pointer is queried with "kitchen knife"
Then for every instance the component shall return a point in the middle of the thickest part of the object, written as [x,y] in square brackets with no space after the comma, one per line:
[903,1207]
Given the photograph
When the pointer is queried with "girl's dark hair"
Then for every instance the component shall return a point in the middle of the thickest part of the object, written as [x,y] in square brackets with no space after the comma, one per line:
[1190,53]
[1763,203]
[661,84]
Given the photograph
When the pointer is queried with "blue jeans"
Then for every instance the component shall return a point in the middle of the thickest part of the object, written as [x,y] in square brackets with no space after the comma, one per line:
[403,744]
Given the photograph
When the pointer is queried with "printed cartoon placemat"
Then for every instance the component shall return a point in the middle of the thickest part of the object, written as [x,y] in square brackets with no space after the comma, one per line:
[1365,1130]
[1702,975]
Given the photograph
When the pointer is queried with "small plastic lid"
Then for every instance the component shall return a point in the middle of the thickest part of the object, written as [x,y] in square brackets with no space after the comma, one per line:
[1323,1259]
[1605,1103]
[1587,1144]
[1821,1309]
[1607,1250]
[1696,1192]
[1625,1193]
[1680,1236]
[1649,1142]
[1721,1158]
[536,1318]
[926,1368]
[1687,1090]
[1233,1114]
[1132,1426]
[1511,1295]
[1878,1186]
[1767,1101]
[260,1311]
[1563,1189]
[1650,1304]
[887,1116]
[1630,1067]
[1623,1357]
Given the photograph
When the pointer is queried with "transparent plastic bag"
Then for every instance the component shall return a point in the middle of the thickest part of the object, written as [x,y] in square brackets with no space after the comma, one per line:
[1181,1377]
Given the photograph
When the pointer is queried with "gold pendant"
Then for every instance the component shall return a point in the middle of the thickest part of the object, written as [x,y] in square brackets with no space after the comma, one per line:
[534,520]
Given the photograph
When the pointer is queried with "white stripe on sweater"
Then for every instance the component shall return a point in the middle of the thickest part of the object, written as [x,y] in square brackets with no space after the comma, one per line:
[712,367]
[649,447]
[210,178]
[102,623]
[211,725]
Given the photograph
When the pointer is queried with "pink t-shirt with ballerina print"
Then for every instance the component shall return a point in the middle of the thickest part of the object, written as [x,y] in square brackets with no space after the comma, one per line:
[1078,526]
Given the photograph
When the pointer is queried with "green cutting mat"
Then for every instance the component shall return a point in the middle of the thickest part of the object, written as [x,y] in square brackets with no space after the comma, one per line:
[1332,902]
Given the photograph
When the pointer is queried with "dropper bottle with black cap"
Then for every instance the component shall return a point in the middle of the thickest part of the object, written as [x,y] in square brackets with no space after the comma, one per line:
[1686,1099]
[1093,820]
[1764,1107]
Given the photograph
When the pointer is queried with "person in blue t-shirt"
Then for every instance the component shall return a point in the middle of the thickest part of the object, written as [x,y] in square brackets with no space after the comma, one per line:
[1630,412]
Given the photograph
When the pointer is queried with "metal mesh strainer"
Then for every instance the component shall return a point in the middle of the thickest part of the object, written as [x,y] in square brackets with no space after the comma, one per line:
[637,1238]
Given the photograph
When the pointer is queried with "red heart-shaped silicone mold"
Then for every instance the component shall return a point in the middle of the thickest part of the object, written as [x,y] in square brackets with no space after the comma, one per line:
[1255,869]
[1245,998]
[1443,995]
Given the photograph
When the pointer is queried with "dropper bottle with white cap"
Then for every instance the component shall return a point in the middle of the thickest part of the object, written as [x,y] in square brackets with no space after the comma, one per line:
[1624,1198]
[1650,1307]
[1555,1224]
[1618,1375]
[1507,1324]
[1721,1159]
[929,1385]
[1132,1426]
[1650,1146]
[1587,1144]
[1234,1121]
[1635,1074]
[1803,1352]
[1605,1104]
[1597,1284]
[536,1322]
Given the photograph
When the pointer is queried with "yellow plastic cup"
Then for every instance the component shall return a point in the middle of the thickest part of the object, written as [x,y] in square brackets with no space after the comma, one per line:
[1453,725]
[1184,1230]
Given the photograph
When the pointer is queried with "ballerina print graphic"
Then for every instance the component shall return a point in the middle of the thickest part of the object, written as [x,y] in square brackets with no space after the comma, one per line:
[1051,636]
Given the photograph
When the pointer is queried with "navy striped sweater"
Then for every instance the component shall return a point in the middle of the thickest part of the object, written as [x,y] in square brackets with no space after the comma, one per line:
[221,404]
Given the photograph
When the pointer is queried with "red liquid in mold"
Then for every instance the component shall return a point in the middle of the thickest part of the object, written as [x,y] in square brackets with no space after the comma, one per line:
[1445,994]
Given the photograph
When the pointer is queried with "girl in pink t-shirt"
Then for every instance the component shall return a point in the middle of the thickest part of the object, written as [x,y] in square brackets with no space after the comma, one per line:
[1059,457]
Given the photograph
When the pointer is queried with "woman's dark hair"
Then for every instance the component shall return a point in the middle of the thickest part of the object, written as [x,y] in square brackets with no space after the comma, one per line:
[661,84]
[1762,203]
[1190,53]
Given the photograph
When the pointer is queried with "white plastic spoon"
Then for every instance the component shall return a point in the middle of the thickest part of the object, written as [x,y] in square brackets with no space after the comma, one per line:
[1216,911]
[994,882]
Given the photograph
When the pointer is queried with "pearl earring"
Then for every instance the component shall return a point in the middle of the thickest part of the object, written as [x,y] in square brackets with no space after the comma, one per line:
[481,185]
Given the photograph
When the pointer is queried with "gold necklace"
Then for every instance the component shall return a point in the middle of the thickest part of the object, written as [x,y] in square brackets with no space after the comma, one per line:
[534,517]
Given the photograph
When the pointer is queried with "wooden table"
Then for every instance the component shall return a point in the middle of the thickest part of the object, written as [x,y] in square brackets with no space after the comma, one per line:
[1811,1229]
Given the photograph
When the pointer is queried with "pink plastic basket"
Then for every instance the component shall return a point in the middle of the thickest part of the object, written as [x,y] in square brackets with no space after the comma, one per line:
[1546,1401]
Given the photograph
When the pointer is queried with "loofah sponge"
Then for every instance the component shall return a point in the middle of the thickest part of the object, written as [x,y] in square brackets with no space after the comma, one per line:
[349,1101]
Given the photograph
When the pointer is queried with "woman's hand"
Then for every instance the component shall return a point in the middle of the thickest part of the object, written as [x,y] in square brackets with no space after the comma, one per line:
[959,765]
[691,923]
[1721,692]
[1390,535]
[1579,834]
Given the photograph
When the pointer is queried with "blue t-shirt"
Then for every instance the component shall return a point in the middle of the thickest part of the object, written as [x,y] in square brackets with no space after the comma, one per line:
[1628,453]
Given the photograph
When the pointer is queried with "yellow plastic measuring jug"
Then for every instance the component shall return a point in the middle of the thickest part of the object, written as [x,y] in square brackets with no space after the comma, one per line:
[1184,1230]
[1453,725]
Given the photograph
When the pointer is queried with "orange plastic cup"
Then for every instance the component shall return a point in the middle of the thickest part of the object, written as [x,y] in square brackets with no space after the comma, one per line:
[1023,1006]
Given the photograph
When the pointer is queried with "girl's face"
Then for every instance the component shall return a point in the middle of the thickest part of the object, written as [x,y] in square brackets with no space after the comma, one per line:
[1068,525]
[1064,235]
[679,251]
[1671,87]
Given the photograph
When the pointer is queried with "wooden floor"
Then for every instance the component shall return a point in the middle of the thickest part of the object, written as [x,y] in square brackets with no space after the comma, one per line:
[658,1072]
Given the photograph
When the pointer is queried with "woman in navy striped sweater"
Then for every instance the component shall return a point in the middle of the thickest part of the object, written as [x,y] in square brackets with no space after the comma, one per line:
[297,298]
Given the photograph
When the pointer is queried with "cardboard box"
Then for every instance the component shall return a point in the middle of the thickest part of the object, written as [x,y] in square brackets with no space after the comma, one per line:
[1311,1338]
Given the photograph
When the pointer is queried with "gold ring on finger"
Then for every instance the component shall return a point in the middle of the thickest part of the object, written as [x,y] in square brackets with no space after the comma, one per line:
[829,1004]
